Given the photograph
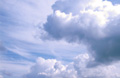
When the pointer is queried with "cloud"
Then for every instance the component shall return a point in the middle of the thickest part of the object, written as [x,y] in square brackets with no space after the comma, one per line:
[17,20]
[95,24]
[101,71]
[18,27]
[51,68]
[20,68]
[1,76]
[2,48]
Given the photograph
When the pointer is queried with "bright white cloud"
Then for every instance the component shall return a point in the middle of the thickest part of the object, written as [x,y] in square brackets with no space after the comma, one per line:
[81,65]
[52,68]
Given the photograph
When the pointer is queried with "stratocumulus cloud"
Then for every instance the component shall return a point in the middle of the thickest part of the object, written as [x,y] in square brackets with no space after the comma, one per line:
[95,23]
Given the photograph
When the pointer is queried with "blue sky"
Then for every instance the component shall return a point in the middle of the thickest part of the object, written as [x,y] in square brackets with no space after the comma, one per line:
[59,39]
[115,1]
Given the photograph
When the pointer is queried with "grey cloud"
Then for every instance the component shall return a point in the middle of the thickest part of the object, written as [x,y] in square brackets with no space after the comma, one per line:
[97,27]
[108,48]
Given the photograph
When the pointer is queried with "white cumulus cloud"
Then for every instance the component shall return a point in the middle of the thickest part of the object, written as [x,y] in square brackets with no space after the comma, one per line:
[95,24]
[51,68]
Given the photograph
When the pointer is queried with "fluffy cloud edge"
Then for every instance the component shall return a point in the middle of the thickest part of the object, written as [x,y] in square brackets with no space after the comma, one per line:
[96,25]
[51,68]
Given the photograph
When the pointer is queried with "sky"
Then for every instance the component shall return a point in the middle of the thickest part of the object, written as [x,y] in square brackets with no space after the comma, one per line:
[59,39]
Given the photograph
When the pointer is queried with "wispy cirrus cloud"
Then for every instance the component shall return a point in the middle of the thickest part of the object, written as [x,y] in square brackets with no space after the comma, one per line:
[18,27]
[14,68]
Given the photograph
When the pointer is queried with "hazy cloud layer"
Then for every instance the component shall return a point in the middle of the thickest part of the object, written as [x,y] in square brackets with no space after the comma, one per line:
[1,76]
[91,22]
[2,48]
